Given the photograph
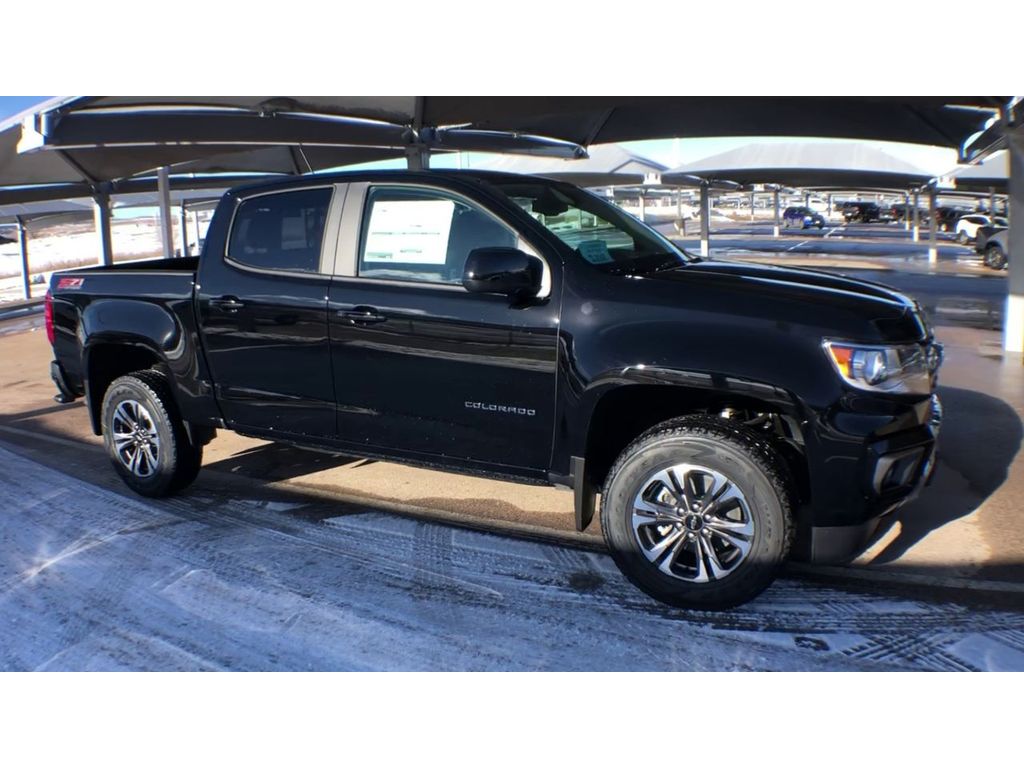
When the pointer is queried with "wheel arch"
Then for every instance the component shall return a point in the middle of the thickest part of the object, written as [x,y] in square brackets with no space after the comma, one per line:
[105,360]
[618,414]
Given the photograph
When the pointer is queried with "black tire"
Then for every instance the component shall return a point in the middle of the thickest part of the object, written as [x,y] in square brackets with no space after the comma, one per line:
[994,257]
[178,460]
[743,458]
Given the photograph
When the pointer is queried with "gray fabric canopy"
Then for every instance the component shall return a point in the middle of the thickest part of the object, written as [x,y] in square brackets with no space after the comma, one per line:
[198,199]
[103,138]
[586,120]
[608,165]
[806,164]
[991,174]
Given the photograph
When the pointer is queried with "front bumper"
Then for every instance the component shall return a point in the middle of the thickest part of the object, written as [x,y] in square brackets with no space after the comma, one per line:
[891,471]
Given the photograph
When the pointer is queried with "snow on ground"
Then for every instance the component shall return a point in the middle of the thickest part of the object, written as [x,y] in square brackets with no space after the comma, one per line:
[91,579]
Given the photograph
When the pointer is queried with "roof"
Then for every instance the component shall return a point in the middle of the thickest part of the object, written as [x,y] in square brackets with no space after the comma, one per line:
[608,165]
[937,120]
[806,164]
[991,174]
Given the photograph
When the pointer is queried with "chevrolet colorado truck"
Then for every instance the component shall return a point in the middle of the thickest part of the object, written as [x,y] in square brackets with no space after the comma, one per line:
[729,416]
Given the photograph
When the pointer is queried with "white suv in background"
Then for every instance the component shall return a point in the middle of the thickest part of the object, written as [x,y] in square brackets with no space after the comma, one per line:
[967,227]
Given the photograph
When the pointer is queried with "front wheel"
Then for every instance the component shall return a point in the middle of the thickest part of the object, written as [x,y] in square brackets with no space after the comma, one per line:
[962,237]
[145,437]
[697,513]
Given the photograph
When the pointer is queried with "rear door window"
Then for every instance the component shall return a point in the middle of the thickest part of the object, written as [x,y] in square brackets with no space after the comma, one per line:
[281,231]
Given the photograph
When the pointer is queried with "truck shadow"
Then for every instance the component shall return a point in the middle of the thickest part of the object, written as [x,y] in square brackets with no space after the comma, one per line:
[276,461]
[980,437]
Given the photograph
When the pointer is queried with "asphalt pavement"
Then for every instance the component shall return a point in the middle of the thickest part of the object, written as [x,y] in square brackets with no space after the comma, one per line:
[281,559]
[92,579]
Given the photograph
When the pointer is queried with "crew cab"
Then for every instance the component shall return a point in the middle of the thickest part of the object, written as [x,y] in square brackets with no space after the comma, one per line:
[729,416]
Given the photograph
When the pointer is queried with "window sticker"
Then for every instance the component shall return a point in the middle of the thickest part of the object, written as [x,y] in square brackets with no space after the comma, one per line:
[595,251]
[409,231]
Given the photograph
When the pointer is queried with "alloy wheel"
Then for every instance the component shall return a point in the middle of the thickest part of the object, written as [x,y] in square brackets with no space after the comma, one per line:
[135,437]
[693,523]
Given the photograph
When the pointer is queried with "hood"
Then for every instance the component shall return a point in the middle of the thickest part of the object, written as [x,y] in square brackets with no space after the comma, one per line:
[855,309]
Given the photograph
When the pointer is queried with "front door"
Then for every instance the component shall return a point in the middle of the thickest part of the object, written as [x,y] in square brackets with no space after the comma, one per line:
[421,366]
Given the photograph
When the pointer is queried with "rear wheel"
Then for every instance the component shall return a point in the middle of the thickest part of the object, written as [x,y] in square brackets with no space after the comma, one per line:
[961,237]
[145,437]
[994,257]
[697,513]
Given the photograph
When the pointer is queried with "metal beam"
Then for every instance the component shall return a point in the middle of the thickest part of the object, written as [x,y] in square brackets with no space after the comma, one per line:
[906,211]
[23,247]
[705,219]
[933,227]
[101,215]
[917,215]
[1013,329]
[775,198]
[163,189]
[183,219]
[643,206]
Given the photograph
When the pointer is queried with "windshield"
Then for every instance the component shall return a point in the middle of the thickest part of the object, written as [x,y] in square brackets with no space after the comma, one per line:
[600,233]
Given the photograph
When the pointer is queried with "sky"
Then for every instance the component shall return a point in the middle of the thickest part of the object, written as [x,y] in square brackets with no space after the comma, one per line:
[12,105]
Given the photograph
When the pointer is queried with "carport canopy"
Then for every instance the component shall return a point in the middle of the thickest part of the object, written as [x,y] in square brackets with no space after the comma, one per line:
[806,164]
[993,173]
[608,165]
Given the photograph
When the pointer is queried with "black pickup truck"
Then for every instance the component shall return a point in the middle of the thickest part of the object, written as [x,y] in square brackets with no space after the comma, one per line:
[730,416]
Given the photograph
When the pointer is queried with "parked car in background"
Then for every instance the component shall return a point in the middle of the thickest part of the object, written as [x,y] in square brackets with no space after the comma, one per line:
[997,252]
[967,227]
[800,216]
[947,216]
[861,211]
[985,232]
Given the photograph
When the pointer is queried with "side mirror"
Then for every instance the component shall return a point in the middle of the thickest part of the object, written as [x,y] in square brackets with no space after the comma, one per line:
[507,271]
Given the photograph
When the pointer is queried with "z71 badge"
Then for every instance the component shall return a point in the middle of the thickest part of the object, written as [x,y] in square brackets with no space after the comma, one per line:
[70,283]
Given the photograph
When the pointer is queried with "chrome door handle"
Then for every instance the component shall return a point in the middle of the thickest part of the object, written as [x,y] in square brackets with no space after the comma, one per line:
[227,303]
[361,316]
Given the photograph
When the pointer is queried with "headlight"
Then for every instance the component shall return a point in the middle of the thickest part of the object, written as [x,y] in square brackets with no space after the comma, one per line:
[905,369]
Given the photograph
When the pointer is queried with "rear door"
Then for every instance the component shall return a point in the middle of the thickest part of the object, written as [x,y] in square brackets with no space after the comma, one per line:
[263,314]
[421,366]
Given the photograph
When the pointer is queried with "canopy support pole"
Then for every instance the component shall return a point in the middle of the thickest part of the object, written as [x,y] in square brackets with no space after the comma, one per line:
[23,247]
[163,188]
[751,207]
[101,217]
[933,228]
[829,210]
[705,219]
[807,199]
[906,211]
[643,206]
[775,198]
[991,201]
[183,216]
[1013,325]
[917,215]
[417,157]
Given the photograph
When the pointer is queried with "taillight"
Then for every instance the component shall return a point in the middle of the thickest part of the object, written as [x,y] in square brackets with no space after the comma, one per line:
[48,312]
